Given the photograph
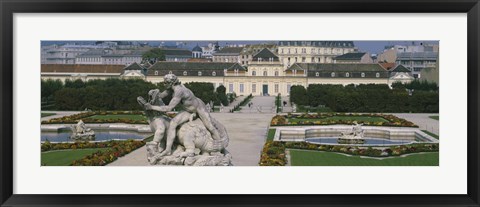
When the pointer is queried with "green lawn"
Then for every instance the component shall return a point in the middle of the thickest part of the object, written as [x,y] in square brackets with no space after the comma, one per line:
[271,134]
[47,114]
[431,134]
[316,158]
[435,117]
[346,118]
[65,157]
[120,116]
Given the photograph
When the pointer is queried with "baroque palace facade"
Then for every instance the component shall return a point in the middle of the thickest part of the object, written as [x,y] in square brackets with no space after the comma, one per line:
[266,74]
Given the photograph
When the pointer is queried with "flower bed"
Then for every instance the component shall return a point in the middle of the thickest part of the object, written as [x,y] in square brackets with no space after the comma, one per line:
[272,154]
[101,158]
[391,120]
[115,150]
[86,118]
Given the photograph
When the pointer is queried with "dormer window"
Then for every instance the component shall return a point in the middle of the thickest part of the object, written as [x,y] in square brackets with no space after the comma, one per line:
[214,73]
[363,75]
[377,75]
[317,74]
[156,72]
[199,73]
[347,75]
[185,73]
[333,74]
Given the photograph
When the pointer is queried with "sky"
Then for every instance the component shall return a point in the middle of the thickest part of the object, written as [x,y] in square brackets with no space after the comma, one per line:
[373,47]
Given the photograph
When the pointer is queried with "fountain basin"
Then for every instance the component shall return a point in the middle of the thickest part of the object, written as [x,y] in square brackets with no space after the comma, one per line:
[373,136]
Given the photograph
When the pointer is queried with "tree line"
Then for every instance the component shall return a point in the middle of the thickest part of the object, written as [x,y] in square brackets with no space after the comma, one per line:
[115,94]
[424,97]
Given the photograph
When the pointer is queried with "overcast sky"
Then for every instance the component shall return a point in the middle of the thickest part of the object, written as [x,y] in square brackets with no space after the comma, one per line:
[373,47]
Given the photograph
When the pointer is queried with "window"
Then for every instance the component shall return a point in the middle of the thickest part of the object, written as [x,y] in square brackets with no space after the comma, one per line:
[214,73]
[288,87]
[377,75]
[169,72]
[317,74]
[254,88]
[254,73]
[304,50]
[276,88]
[156,72]
[276,73]
[363,75]
[185,73]
[230,87]
[347,75]
[241,87]
[264,73]
[199,73]
[333,74]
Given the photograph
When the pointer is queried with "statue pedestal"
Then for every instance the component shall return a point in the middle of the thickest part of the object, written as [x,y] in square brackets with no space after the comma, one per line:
[178,158]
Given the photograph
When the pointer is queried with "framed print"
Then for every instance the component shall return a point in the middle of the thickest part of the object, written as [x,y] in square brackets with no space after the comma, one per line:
[201,103]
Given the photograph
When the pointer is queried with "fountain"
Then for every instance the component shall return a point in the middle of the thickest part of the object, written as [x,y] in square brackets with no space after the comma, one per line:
[355,136]
[81,132]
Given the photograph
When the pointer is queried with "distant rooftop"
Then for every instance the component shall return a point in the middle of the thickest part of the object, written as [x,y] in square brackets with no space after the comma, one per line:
[317,43]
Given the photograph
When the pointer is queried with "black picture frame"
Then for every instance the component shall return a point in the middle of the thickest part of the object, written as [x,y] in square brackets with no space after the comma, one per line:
[10,7]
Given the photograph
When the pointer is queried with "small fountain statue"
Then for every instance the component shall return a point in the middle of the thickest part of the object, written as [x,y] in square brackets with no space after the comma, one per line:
[355,136]
[81,132]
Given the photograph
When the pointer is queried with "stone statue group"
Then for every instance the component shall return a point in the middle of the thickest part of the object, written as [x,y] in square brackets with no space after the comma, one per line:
[192,137]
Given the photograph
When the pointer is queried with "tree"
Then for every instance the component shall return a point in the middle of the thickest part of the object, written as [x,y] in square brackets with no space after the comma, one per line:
[221,95]
[154,55]
[298,95]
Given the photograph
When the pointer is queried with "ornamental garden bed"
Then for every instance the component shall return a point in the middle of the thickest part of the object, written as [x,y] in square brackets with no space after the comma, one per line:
[340,118]
[273,153]
[128,117]
[87,153]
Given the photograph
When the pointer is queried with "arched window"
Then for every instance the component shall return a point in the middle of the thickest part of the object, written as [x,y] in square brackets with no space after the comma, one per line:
[214,73]
[156,72]
[363,75]
[185,73]
[333,74]
[264,73]
[317,74]
[199,73]
[276,73]
[347,75]
[377,75]
[254,73]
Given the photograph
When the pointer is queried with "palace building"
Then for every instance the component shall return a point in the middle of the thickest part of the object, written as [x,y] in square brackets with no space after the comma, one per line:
[266,73]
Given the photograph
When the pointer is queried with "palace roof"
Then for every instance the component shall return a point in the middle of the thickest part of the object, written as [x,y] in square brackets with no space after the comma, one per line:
[134,66]
[229,51]
[192,68]
[351,56]
[71,68]
[338,67]
[176,52]
[265,54]
[400,68]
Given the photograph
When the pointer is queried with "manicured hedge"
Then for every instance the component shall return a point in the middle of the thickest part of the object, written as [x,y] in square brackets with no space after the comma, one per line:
[369,97]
